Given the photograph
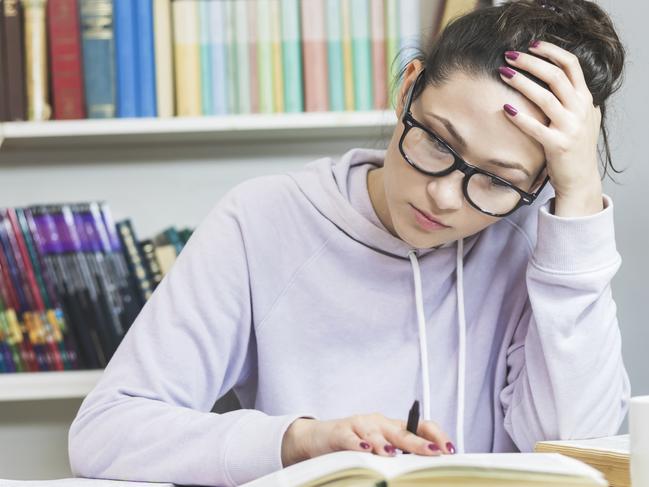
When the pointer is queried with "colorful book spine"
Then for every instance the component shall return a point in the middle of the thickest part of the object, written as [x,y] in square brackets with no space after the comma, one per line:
[292,56]
[14,61]
[242,55]
[335,56]
[409,30]
[134,259]
[186,57]
[98,57]
[151,262]
[207,84]
[36,74]
[252,56]
[392,46]
[219,60]
[145,59]
[126,67]
[64,40]
[276,53]
[379,67]
[362,55]
[4,109]
[264,53]
[164,77]
[314,51]
[232,66]
[348,56]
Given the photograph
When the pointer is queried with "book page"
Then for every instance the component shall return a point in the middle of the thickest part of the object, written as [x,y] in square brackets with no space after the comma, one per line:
[616,444]
[80,482]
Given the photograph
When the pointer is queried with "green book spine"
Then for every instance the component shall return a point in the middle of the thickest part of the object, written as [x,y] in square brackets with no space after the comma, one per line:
[207,85]
[264,57]
[242,55]
[292,54]
[362,55]
[392,44]
[335,56]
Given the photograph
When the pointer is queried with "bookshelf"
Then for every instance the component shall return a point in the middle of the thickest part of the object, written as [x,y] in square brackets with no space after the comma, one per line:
[258,127]
[40,386]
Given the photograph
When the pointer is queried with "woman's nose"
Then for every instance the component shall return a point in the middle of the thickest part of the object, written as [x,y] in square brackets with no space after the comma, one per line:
[446,191]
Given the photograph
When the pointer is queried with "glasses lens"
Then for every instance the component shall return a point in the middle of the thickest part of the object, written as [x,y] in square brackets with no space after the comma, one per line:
[491,194]
[426,152]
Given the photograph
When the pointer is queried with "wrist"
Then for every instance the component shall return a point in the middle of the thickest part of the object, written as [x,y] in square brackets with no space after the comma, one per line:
[583,201]
[294,443]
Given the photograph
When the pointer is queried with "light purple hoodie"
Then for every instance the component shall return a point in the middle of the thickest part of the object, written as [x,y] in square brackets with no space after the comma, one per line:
[292,293]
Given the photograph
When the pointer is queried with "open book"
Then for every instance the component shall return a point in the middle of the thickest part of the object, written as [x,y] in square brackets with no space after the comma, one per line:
[362,469]
[610,455]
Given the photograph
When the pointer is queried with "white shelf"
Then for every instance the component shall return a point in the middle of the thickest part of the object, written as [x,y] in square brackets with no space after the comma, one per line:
[32,386]
[284,126]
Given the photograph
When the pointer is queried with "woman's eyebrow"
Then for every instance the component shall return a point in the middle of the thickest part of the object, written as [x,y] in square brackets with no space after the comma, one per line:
[462,143]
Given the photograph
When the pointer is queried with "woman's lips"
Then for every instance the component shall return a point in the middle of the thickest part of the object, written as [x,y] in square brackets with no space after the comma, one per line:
[426,221]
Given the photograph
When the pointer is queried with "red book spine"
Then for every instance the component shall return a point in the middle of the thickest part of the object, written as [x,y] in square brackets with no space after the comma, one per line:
[64,38]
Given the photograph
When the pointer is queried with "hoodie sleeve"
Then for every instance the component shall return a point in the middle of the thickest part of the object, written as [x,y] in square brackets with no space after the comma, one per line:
[565,375]
[149,418]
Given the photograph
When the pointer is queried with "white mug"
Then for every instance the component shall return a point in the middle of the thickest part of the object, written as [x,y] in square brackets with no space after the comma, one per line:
[639,439]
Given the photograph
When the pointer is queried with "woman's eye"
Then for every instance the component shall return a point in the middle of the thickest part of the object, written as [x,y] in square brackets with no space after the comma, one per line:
[498,182]
[438,145]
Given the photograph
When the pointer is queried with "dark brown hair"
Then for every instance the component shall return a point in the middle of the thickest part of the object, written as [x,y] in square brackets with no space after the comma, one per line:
[475,44]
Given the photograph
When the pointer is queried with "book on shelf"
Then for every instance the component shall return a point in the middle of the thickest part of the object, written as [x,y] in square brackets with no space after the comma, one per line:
[347,468]
[72,59]
[610,455]
[72,280]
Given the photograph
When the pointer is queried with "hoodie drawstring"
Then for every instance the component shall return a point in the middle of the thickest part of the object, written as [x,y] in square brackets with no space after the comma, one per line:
[423,348]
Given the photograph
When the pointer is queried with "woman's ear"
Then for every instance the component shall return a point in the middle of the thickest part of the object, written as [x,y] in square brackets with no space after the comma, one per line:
[409,76]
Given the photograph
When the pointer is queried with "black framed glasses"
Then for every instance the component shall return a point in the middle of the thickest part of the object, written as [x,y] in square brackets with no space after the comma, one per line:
[428,153]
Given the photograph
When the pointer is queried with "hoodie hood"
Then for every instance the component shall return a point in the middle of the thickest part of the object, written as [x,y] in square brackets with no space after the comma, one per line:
[325,184]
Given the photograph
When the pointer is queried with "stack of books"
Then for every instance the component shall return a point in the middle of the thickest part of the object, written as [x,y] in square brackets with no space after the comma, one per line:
[71,283]
[75,59]
[610,455]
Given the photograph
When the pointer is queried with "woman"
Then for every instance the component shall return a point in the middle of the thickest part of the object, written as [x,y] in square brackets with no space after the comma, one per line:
[443,269]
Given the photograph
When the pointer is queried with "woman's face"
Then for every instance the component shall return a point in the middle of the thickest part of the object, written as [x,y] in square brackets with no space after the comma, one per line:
[466,108]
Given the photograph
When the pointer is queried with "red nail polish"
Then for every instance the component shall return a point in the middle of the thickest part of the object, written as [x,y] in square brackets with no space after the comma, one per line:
[365,445]
[506,71]
[513,55]
[450,448]
[433,447]
[390,449]
[535,43]
[510,109]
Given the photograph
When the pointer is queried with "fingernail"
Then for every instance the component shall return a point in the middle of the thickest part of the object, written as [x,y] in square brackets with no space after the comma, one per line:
[510,109]
[365,445]
[450,448]
[507,71]
[535,43]
[511,54]
[390,449]
[433,446]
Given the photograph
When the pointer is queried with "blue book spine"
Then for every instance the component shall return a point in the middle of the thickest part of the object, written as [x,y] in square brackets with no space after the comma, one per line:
[219,55]
[207,84]
[125,57]
[98,48]
[146,86]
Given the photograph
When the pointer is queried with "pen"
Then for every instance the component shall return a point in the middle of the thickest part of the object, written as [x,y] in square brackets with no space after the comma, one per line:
[413,420]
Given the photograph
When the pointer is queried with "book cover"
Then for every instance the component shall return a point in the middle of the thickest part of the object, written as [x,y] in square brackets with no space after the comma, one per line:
[292,56]
[164,77]
[362,55]
[14,61]
[391,46]
[379,54]
[36,73]
[186,57]
[264,57]
[207,84]
[145,59]
[348,54]
[126,63]
[64,41]
[314,56]
[242,50]
[98,51]
[335,56]
[219,62]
